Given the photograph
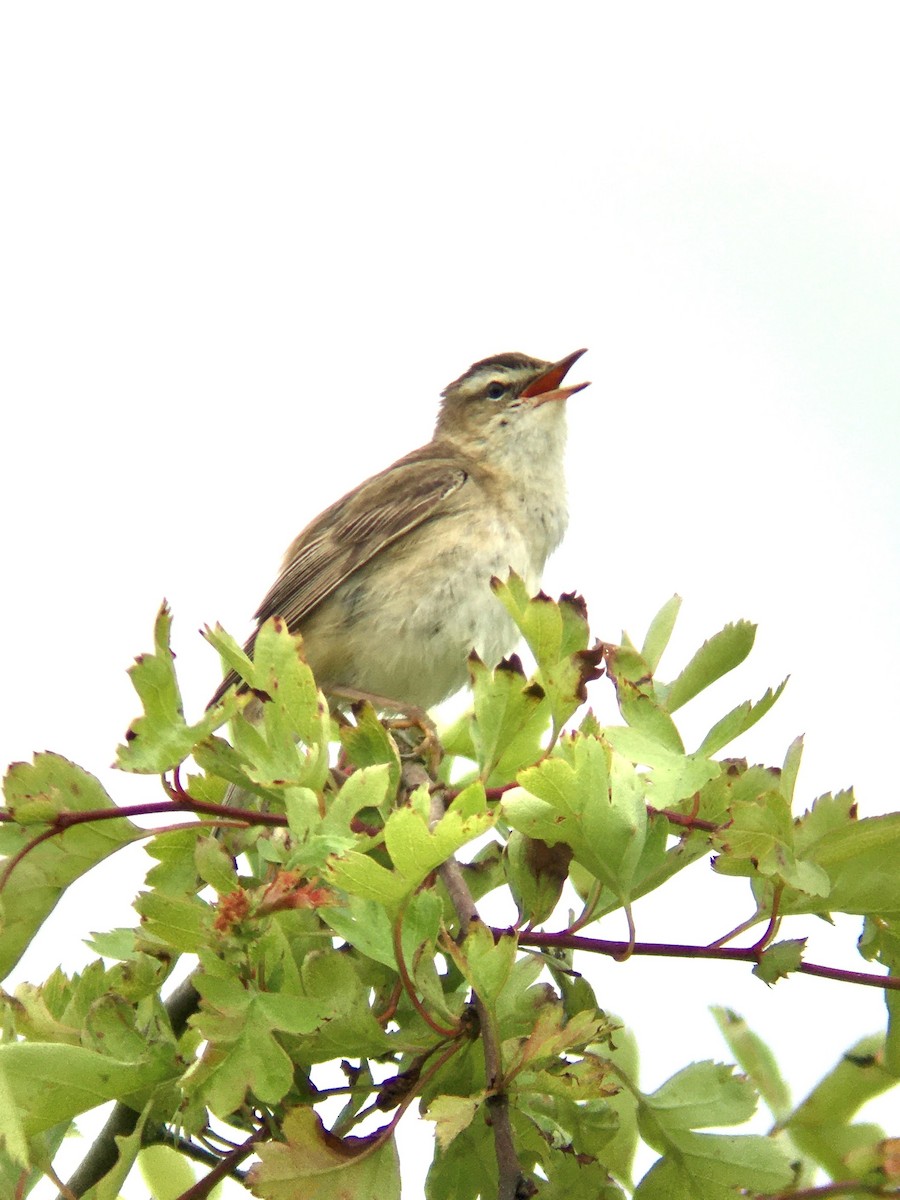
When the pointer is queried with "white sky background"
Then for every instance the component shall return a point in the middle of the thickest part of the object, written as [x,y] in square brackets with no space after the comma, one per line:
[243,249]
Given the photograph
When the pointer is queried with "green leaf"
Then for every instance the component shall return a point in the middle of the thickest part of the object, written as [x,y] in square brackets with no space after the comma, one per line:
[857,1077]
[595,804]
[820,1126]
[297,709]
[510,718]
[486,964]
[553,1036]
[674,776]
[557,635]
[860,859]
[536,873]
[723,652]
[363,877]
[738,721]
[701,1095]
[416,850]
[44,1084]
[239,1023]
[235,658]
[182,922]
[755,1057]
[790,768]
[660,632]
[366,788]
[881,940]
[365,924]
[451,1115]
[312,1164]
[165,1172]
[368,744]
[286,745]
[552,631]
[161,738]
[128,1148]
[779,959]
[35,885]
[760,840]
[716,1167]
[214,865]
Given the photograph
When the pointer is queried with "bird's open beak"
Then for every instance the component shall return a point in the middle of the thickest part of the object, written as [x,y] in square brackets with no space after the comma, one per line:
[546,387]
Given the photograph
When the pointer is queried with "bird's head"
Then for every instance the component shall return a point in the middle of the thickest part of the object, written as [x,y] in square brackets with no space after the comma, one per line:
[497,399]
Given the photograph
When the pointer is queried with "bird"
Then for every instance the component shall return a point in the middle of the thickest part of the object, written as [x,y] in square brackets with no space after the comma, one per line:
[390,587]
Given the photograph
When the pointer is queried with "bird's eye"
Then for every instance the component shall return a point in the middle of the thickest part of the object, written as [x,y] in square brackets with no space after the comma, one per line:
[495,390]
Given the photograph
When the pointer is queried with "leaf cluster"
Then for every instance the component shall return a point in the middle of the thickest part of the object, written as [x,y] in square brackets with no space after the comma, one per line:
[324,878]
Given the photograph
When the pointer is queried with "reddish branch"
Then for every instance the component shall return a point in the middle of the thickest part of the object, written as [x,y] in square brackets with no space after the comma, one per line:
[753,954]
[69,819]
[204,1186]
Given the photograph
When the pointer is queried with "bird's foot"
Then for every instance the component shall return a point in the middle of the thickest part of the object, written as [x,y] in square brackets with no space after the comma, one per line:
[410,719]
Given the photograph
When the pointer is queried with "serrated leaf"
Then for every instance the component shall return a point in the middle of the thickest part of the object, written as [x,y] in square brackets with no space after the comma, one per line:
[243,1053]
[738,721]
[214,865]
[365,924]
[46,1083]
[538,618]
[595,804]
[312,1164]
[659,633]
[510,717]
[637,699]
[363,877]
[716,1167]
[760,840]
[860,859]
[820,1126]
[486,964]
[723,652]
[554,1035]
[702,1095]
[368,743]
[674,776]
[296,707]
[161,738]
[37,882]
[182,922]
[416,849]
[451,1115]
[755,1057]
[778,960]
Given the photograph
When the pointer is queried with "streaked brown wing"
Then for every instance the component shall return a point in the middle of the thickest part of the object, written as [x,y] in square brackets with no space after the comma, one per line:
[355,529]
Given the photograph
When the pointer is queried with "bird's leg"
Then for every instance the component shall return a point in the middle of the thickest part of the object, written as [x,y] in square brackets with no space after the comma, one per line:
[411,717]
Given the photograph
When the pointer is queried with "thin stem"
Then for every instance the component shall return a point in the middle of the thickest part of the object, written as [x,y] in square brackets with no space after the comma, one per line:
[738,929]
[204,1186]
[590,906]
[844,1187]
[685,820]
[228,815]
[410,987]
[511,1180]
[674,950]
[772,927]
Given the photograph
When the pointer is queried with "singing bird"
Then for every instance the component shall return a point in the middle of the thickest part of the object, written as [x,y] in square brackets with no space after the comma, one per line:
[390,586]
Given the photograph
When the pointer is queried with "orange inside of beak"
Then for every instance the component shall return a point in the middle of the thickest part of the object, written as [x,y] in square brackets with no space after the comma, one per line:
[547,385]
